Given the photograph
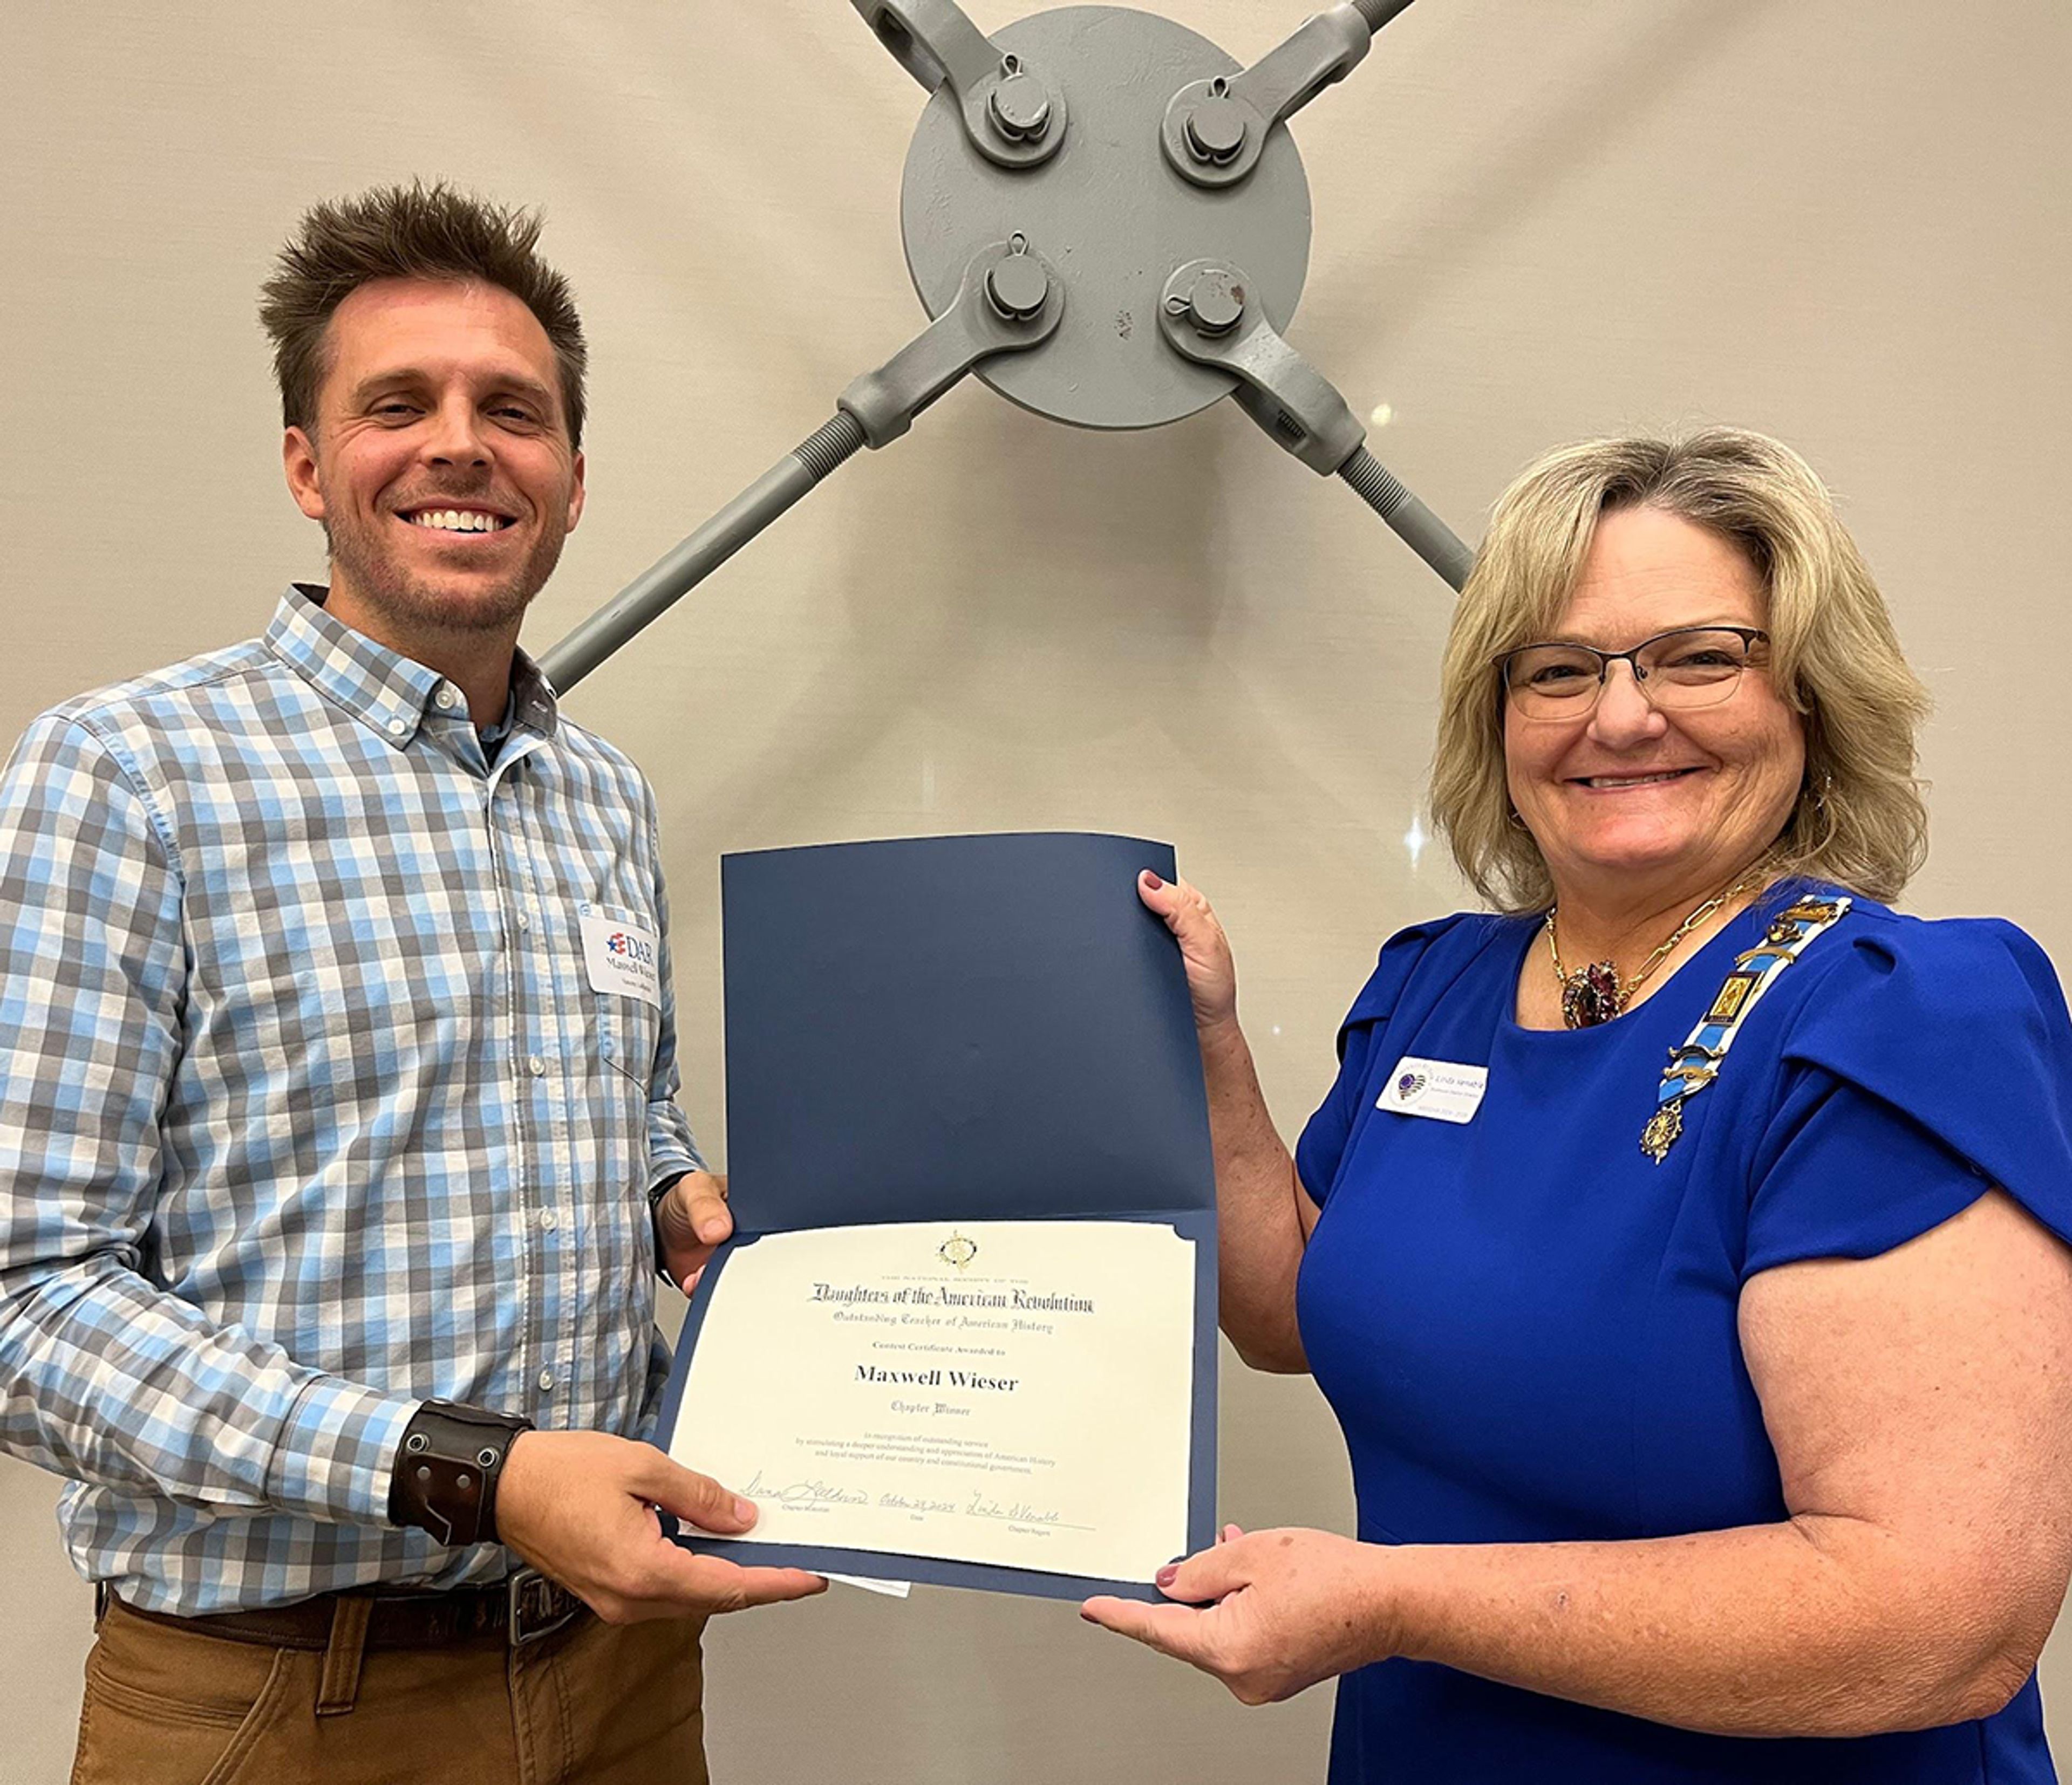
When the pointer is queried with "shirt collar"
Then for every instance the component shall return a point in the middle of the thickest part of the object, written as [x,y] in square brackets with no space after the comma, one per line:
[387,691]
[533,702]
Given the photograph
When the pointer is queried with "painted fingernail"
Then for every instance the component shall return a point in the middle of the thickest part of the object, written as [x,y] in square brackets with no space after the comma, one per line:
[1166,1575]
[1152,881]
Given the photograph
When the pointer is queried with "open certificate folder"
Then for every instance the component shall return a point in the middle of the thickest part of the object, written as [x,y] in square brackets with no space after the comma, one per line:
[966,1333]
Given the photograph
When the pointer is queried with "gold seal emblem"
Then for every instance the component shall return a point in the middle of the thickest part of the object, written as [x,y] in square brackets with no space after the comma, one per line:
[1660,1133]
[957,1250]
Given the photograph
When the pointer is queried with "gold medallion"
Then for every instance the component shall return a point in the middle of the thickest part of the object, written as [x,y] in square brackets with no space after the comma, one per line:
[1662,1128]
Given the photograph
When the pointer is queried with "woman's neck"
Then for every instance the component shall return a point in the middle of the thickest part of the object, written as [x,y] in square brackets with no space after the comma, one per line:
[1626,931]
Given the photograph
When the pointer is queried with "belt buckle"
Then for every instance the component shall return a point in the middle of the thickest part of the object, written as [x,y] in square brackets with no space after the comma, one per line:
[537,1607]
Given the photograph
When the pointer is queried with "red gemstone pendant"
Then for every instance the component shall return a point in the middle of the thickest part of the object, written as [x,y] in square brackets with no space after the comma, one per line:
[1591,996]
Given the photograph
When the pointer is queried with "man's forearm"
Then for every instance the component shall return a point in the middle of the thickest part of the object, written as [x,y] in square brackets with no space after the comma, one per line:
[105,1377]
[1821,1628]
[108,1380]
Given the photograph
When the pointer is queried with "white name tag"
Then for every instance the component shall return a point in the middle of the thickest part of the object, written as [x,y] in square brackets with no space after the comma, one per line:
[623,957]
[1435,1088]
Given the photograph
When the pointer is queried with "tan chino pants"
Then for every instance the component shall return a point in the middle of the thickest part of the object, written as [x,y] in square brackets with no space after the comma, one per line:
[591,1704]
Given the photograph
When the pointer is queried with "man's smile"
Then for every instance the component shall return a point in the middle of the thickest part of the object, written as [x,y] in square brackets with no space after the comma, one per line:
[456,520]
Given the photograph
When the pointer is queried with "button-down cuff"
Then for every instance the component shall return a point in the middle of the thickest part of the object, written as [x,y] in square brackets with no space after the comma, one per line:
[667,1170]
[337,1451]
[671,1149]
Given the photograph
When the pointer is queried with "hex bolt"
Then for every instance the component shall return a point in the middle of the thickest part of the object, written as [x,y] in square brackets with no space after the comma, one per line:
[1216,304]
[1021,105]
[1216,127]
[1017,287]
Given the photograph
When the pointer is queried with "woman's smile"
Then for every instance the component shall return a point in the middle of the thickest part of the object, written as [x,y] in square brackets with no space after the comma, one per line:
[1628,783]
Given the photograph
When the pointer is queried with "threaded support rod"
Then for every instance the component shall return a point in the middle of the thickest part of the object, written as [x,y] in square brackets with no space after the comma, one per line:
[653,594]
[825,451]
[1377,13]
[1415,524]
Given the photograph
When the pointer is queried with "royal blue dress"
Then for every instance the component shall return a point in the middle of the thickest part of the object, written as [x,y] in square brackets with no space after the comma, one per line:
[1527,1328]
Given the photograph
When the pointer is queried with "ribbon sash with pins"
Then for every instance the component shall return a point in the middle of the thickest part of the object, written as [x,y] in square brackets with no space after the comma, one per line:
[1696,1064]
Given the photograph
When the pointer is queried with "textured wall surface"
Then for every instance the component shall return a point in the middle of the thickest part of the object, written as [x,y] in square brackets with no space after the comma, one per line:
[1840,222]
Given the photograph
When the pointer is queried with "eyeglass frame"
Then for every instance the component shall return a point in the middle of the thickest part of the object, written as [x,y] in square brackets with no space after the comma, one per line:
[1749,637]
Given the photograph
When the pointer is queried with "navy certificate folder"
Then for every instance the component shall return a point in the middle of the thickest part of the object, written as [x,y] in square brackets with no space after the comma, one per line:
[962,1028]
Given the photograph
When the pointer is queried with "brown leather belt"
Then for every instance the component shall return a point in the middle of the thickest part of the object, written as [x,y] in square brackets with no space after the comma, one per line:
[522,1608]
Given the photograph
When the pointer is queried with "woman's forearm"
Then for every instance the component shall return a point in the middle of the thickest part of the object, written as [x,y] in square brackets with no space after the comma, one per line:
[1261,1237]
[1814,1627]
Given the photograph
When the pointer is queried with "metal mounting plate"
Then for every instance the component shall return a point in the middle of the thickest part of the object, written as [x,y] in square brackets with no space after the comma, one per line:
[1109,214]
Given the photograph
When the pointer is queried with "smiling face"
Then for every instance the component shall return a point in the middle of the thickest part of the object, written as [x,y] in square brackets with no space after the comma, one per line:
[1631,802]
[440,463]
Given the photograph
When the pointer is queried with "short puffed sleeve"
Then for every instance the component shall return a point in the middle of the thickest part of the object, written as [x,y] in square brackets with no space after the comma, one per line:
[1931,1062]
[1322,1146]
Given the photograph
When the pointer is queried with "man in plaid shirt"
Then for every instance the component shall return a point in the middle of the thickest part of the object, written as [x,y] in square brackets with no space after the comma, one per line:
[337,1163]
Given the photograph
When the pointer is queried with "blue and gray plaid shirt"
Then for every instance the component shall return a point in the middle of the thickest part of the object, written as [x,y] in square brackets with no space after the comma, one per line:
[308,1108]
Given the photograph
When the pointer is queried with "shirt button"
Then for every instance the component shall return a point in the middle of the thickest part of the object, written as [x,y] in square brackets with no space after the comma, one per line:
[397,727]
[546,1381]
[524,922]
[536,1066]
[605,1047]
[446,697]
[549,1219]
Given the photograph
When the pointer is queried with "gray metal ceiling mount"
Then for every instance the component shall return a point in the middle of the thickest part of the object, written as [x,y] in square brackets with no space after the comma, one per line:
[1107,220]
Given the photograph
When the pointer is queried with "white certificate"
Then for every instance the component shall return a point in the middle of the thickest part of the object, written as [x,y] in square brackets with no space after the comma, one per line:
[1013,1392]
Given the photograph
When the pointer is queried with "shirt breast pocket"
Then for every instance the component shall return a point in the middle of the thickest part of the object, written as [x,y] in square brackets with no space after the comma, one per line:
[622,952]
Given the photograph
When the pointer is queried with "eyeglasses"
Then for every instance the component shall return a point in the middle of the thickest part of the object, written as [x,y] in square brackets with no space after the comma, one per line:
[1676,671]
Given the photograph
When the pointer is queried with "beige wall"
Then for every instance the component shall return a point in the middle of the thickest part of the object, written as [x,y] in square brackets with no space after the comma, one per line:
[1839,221]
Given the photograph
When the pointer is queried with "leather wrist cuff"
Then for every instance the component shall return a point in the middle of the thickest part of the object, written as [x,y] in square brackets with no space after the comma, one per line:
[656,1196]
[446,1471]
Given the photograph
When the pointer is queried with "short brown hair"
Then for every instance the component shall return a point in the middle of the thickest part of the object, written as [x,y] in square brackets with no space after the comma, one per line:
[1859,819]
[414,231]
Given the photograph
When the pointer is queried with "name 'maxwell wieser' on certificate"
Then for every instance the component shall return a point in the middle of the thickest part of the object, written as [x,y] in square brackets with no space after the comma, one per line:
[1013,1392]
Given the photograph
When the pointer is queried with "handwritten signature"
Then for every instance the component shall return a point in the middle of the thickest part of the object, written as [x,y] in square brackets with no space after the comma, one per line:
[806,1493]
[818,1493]
[1017,1512]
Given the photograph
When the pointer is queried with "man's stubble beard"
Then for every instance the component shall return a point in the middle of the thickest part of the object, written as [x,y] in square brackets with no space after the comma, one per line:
[411,606]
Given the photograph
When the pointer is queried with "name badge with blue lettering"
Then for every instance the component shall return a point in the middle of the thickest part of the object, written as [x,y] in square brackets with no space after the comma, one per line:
[1439,1089]
[622,958]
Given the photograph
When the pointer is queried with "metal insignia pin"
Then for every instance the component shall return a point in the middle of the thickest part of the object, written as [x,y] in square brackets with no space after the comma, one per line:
[1662,1128]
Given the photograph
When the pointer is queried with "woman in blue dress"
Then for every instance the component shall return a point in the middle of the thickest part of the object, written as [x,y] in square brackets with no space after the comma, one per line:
[1685,1407]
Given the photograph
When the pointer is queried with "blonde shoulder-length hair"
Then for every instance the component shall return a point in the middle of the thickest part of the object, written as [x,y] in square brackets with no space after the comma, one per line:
[1860,820]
